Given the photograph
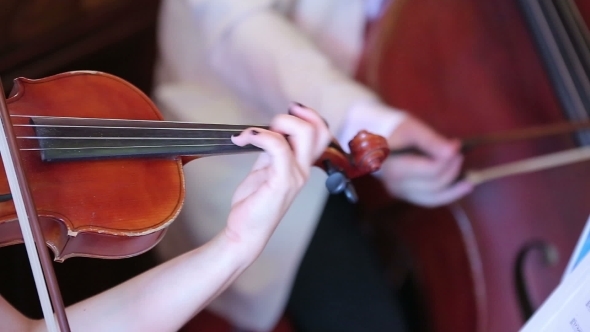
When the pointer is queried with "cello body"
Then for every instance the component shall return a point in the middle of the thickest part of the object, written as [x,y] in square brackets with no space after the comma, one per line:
[470,67]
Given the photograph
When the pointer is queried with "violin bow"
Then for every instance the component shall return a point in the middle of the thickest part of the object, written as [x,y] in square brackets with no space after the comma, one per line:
[527,165]
[37,252]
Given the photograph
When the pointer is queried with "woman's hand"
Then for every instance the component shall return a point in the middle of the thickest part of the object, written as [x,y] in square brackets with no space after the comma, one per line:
[291,146]
[429,179]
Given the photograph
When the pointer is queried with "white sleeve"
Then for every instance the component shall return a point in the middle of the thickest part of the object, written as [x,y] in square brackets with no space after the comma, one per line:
[375,117]
[268,61]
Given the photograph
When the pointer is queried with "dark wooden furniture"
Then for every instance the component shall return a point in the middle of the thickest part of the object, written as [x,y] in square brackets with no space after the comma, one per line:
[42,37]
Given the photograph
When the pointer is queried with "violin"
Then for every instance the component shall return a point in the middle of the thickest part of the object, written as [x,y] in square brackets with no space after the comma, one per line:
[105,171]
[107,184]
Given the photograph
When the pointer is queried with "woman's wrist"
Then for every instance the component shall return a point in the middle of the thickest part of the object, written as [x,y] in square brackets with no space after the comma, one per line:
[373,116]
[243,250]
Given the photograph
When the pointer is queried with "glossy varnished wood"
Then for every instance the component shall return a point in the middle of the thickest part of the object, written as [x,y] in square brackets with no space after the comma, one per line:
[469,68]
[126,203]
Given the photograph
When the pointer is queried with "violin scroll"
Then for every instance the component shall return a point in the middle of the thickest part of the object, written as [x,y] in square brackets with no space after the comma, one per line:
[368,151]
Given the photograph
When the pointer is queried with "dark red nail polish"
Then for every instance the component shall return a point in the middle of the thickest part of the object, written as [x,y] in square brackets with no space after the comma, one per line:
[297,104]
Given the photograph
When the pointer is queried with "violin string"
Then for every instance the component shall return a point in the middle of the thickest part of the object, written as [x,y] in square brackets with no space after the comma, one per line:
[127,127]
[207,127]
[49,117]
[229,143]
[118,138]
[128,147]
[139,126]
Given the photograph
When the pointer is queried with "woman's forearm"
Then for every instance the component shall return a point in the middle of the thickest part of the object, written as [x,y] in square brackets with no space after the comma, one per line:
[166,297]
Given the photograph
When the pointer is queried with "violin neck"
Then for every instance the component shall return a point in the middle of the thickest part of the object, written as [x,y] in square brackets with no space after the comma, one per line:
[63,139]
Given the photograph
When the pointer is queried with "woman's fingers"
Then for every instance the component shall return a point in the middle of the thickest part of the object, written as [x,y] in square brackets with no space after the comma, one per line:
[274,144]
[424,180]
[447,195]
[323,135]
[293,142]
[414,167]
[300,134]
[306,131]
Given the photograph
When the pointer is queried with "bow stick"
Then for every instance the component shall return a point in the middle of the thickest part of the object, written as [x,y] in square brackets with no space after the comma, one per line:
[39,259]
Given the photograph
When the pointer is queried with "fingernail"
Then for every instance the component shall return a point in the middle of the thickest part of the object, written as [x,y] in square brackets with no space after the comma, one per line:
[326,123]
[296,104]
[255,132]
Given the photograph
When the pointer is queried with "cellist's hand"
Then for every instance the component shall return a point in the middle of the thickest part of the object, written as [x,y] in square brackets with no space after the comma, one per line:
[264,196]
[429,179]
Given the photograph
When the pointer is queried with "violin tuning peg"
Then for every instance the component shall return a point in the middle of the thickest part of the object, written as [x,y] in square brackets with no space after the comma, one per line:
[351,194]
[336,182]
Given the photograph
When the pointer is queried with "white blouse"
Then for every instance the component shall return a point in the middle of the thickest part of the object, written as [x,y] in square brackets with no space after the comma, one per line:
[242,61]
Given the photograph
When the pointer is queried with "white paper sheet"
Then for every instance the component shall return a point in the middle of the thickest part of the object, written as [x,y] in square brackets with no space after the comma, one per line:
[568,307]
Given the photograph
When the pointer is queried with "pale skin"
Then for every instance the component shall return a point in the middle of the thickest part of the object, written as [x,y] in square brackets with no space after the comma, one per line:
[167,296]
[429,179]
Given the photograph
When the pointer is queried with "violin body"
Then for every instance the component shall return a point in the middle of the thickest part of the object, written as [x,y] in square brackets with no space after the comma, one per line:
[105,172]
[107,208]
[470,67]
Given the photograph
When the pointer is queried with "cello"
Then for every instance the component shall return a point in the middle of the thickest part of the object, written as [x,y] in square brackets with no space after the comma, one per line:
[487,261]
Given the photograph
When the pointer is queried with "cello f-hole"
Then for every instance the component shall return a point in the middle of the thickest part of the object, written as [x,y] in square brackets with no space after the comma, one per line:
[550,256]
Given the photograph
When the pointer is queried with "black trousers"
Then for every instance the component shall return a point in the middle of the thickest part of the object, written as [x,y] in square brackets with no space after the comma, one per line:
[340,286]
